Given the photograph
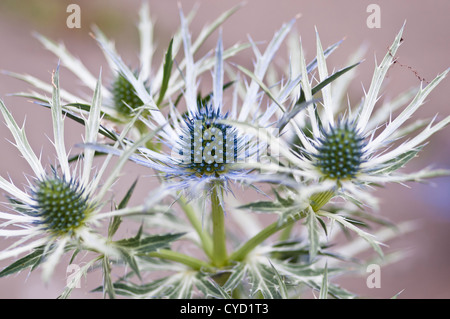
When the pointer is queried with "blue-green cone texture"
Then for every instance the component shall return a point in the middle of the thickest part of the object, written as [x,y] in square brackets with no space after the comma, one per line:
[212,146]
[60,205]
[125,96]
[340,152]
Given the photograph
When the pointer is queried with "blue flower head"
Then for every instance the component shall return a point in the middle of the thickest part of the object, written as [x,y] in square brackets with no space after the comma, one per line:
[208,147]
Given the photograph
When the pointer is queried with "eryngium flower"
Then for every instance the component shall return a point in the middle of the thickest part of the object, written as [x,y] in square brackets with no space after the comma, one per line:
[339,154]
[346,150]
[204,148]
[210,146]
[61,208]
[125,99]
[122,96]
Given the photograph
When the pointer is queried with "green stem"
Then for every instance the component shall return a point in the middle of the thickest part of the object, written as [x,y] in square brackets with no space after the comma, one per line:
[243,251]
[192,262]
[317,201]
[219,236]
[196,223]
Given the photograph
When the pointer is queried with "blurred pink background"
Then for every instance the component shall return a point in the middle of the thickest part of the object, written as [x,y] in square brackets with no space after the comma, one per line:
[424,274]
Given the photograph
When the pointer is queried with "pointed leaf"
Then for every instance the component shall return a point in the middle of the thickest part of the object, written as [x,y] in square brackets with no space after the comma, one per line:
[168,63]
[313,234]
[366,236]
[127,196]
[263,279]
[209,287]
[324,288]
[146,244]
[22,142]
[30,261]
[235,279]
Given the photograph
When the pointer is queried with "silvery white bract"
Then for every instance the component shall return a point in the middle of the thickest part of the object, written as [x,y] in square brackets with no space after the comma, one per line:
[124,93]
[345,149]
[62,208]
[337,151]
[202,150]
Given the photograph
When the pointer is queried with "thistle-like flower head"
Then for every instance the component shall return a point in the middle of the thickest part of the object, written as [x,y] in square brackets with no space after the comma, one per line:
[204,146]
[211,146]
[340,152]
[61,208]
[348,149]
[125,99]
[147,86]
[61,205]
